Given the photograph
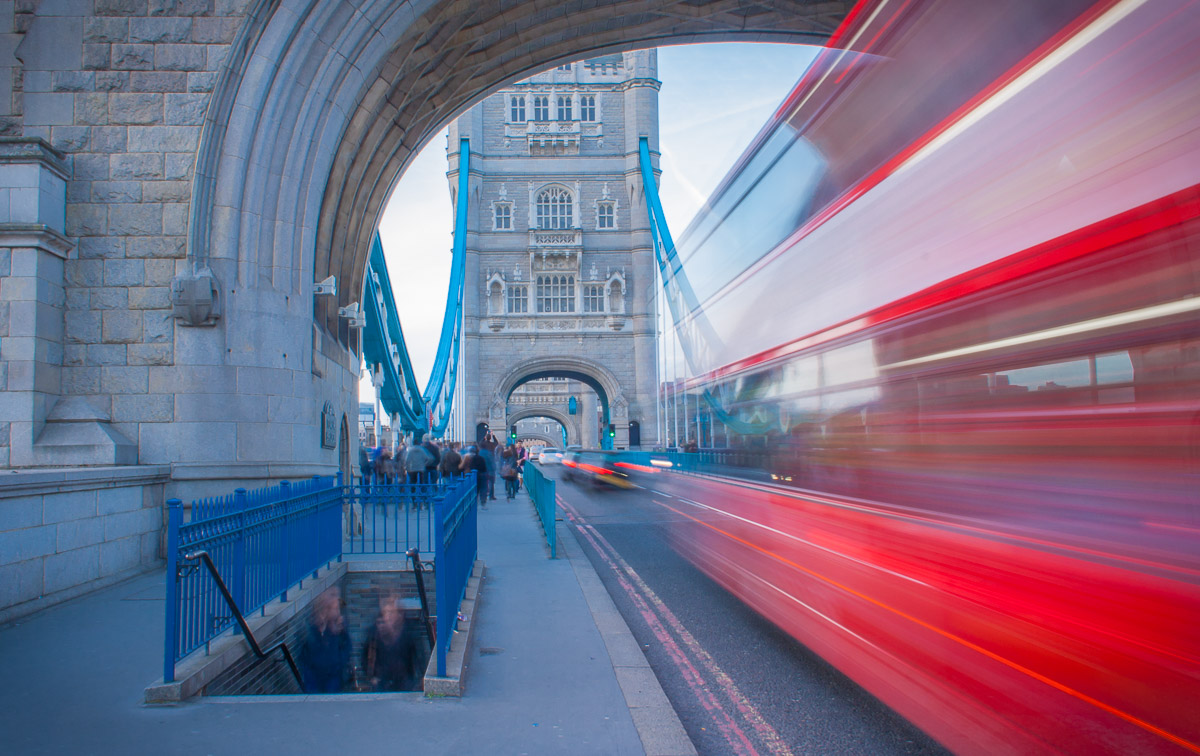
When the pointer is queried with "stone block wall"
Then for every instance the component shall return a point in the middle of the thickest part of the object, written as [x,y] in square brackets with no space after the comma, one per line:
[63,533]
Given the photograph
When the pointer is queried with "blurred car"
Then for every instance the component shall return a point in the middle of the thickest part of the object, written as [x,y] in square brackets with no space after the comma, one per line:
[600,469]
[549,456]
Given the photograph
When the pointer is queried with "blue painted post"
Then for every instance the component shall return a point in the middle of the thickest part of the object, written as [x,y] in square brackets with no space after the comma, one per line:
[174,520]
[284,492]
[337,537]
[317,528]
[441,589]
[238,578]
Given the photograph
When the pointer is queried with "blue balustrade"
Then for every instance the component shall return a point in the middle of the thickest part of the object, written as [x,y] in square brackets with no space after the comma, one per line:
[457,542]
[391,518]
[541,491]
[262,542]
[267,540]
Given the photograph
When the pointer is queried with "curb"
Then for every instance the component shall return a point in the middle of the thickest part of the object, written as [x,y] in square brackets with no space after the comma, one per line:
[658,725]
[455,681]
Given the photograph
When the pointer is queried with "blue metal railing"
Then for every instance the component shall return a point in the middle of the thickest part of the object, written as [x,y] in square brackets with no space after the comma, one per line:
[391,518]
[541,491]
[262,542]
[457,542]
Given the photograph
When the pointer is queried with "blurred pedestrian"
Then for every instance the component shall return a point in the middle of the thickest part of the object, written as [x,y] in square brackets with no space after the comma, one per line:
[435,456]
[474,461]
[390,655]
[416,462]
[364,464]
[487,450]
[450,461]
[508,472]
[325,656]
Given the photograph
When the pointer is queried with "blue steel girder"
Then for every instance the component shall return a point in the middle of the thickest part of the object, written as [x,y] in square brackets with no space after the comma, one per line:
[384,348]
[696,335]
[439,391]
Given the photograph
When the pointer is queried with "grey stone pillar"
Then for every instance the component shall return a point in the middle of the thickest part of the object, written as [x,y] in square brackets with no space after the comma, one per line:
[38,427]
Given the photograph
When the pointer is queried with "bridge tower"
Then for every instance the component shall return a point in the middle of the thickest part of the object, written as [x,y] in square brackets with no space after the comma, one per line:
[560,278]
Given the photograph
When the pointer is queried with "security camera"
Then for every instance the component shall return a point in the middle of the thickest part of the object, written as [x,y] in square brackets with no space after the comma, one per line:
[327,288]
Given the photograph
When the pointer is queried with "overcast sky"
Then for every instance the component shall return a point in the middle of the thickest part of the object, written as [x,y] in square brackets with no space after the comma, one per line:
[714,99]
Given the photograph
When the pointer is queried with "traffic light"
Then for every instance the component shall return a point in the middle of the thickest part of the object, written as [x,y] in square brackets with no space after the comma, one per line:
[612,431]
[512,433]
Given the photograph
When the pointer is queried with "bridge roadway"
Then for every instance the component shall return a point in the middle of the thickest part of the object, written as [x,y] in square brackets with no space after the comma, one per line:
[739,684]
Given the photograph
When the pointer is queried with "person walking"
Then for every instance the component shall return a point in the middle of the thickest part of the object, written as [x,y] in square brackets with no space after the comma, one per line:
[508,471]
[451,460]
[474,461]
[487,450]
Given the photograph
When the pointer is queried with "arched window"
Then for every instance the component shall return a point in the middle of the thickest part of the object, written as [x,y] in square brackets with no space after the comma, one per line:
[564,108]
[554,209]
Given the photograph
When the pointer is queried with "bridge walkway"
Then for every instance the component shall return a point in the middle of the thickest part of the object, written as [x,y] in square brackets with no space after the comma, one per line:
[554,670]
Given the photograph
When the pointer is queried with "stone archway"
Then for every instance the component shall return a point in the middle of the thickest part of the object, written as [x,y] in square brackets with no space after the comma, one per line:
[268,135]
[563,419]
[322,105]
[608,387]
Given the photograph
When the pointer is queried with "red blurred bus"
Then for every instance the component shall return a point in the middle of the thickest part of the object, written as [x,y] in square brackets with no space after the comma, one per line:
[951,298]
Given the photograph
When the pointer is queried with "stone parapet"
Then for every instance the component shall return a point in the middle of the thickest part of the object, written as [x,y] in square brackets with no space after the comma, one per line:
[66,532]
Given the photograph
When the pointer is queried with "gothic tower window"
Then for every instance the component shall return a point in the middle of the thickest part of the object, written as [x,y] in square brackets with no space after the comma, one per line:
[564,108]
[541,108]
[556,293]
[518,299]
[606,215]
[517,109]
[587,108]
[554,209]
[593,298]
[503,216]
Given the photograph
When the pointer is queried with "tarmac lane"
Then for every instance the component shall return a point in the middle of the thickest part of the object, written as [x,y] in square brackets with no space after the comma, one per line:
[739,684]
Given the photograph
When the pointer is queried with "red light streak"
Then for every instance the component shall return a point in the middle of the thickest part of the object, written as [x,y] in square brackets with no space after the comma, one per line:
[1079,695]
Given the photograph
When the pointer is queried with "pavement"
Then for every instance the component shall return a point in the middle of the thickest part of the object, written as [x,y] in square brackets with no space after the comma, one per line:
[553,670]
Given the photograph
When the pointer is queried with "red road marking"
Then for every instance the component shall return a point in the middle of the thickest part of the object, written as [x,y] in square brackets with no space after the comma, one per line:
[658,617]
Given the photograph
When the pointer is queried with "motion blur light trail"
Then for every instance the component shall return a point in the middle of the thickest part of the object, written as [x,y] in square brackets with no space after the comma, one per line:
[981,615]
[950,297]
[696,666]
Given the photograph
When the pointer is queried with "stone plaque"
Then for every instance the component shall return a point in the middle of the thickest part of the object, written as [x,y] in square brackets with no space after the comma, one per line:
[328,427]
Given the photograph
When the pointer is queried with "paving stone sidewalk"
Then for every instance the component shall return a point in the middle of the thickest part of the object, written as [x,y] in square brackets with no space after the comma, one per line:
[543,679]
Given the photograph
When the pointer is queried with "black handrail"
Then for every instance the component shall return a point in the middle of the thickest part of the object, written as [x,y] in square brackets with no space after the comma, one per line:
[415,555]
[237,613]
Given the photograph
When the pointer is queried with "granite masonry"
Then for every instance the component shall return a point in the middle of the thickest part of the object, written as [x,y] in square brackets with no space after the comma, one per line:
[176,174]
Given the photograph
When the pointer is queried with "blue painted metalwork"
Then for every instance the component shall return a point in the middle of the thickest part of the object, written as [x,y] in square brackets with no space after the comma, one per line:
[457,542]
[392,518]
[691,323]
[541,492]
[262,542]
[439,391]
[384,348]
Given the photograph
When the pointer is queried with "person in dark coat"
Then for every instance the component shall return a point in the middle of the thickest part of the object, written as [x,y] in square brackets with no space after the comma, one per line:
[325,656]
[390,655]
[473,461]
[451,460]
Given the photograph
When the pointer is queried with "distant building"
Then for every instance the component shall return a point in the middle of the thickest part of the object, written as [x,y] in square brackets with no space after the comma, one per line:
[560,267]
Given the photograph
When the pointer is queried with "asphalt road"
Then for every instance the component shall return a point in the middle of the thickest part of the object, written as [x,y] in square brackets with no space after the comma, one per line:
[739,684]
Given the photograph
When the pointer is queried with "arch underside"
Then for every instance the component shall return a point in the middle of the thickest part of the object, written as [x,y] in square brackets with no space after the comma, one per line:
[548,413]
[324,103]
